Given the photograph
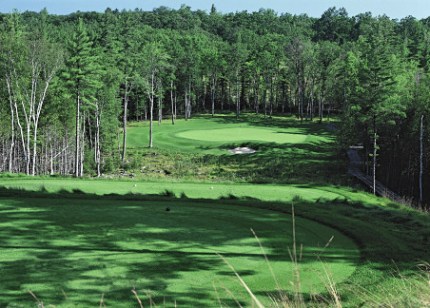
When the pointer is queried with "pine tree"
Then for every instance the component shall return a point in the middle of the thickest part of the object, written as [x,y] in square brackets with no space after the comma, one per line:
[81,73]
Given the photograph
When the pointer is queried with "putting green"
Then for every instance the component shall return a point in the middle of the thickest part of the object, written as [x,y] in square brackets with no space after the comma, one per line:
[243,134]
[211,135]
[69,252]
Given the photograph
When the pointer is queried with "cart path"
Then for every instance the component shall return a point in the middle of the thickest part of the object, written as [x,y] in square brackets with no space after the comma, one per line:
[354,169]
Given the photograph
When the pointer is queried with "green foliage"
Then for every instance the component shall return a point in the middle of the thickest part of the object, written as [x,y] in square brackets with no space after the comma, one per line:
[365,69]
[82,74]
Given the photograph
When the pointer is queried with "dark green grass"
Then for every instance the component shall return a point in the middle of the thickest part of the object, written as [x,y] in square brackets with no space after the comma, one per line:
[287,151]
[70,249]
[86,245]
[76,238]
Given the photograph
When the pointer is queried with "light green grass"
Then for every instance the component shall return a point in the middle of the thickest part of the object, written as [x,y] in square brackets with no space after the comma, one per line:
[215,135]
[196,190]
[85,248]
[44,236]
[86,245]
[287,151]
[243,134]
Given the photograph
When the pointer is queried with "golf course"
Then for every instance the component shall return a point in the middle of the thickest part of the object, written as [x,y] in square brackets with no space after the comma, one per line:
[198,240]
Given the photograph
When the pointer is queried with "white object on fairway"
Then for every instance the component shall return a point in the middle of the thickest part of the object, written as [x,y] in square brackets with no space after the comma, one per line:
[242,150]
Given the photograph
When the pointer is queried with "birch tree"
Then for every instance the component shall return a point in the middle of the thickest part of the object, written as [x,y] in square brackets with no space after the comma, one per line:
[28,76]
[155,62]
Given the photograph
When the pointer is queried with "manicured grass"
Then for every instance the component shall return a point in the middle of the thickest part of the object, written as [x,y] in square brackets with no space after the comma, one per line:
[215,135]
[234,134]
[206,190]
[382,230]
[84,248]
[71,240]
[287,151]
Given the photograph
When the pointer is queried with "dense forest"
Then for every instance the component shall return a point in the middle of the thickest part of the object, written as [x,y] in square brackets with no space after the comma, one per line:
[70,84]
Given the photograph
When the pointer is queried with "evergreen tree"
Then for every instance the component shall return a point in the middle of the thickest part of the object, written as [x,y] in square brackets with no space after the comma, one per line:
[82,75]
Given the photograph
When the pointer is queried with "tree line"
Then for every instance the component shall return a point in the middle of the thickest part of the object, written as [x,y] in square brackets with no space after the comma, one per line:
[69,84]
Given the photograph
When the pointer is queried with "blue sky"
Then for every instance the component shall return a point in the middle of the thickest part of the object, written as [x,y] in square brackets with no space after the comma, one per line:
[393,8]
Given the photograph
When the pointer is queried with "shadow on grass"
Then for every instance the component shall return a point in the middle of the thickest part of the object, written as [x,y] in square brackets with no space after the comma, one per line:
[70,247]
[281,163]
[306,127]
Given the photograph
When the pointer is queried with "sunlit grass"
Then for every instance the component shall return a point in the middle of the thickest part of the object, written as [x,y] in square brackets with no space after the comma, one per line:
[87,247]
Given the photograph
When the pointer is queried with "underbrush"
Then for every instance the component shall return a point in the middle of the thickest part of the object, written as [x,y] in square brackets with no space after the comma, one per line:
[267,166]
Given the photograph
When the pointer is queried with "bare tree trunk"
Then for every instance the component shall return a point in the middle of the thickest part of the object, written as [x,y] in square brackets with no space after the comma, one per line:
[271,98]
[255,92]
[82,156]
[12,100]
[77,133]
[186,104]
[176,105]
[124,122]
[51,160]
[312,104]
[172,101]
[374,155]
[421,158]
[97,140]
[160,109]
[265,98]
[151,109]
[213,92]
[12,143]
[33,170]
[222,95]
[237,95]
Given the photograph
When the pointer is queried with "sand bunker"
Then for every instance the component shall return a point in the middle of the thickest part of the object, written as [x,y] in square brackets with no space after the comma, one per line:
[242,150]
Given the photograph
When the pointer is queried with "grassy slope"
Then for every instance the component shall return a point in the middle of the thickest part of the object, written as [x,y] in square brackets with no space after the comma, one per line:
[86,247]
[389,236]
[287,151]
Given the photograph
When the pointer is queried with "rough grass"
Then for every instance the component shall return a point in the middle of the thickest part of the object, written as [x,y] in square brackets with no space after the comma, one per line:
[287,151]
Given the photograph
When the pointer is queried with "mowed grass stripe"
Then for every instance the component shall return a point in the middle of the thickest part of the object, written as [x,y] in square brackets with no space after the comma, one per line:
[182,241]
[197,190]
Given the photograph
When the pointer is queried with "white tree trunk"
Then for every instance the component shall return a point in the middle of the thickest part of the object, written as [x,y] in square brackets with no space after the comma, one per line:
[421,157]
[124,122]
[374,159]
[77,133]
[151,108]
[97,140]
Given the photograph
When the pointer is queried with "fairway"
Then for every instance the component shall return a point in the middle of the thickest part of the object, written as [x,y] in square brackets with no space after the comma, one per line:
[224,155]
[71,240]
[69,252]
